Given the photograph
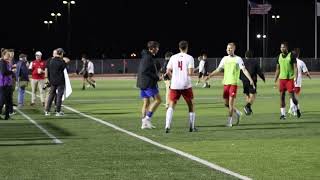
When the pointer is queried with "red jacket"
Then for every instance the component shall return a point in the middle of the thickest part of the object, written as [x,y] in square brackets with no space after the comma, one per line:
[35,65]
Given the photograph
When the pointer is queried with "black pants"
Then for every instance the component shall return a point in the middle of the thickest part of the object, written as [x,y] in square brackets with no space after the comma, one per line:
[58,95]
[6,99]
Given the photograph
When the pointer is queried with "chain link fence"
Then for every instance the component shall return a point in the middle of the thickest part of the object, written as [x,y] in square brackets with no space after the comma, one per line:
[121,66]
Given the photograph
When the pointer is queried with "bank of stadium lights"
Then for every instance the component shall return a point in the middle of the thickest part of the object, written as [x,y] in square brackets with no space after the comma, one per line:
[133,55]
[56,15]
[67,2]
[259,36]
[275,17]
[48,23]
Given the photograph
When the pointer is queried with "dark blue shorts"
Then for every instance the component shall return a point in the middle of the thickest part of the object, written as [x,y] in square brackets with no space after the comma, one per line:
[149,92]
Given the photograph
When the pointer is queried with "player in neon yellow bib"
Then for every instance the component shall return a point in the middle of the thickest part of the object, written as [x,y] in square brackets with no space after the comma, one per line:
[231,64]
[286,72]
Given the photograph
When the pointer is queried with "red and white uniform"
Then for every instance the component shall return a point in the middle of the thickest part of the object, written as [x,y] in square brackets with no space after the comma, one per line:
[181,81]
[302,68]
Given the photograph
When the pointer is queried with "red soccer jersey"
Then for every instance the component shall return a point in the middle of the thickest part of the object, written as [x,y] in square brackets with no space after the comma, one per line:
[35,66]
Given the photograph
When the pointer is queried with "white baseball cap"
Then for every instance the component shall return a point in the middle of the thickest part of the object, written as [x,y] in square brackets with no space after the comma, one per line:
[38,53]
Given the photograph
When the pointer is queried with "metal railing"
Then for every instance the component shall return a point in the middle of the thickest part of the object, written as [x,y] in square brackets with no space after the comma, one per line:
[120,66]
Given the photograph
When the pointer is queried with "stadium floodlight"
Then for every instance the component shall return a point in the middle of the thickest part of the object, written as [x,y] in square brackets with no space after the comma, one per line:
[278,16]
[72,2]
[65,2]
[258,36]
[264,36]
[53,14]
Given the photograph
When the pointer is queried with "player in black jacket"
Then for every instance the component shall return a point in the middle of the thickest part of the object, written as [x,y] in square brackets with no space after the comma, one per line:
[254,69]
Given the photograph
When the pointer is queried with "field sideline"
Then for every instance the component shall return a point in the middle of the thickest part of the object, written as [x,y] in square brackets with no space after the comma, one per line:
[262,147]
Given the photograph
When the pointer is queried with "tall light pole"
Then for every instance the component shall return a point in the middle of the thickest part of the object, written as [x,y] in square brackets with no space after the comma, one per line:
[56,15]
[69,3]
[48,23]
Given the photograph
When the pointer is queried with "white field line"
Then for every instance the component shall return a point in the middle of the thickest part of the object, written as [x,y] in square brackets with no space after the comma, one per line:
[138,99]
[54,139]
[181,153]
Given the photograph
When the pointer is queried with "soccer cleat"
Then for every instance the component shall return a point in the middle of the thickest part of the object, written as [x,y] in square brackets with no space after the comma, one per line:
[193,129]
[298,113]
[246,110]
[282,117]
[93,85]
[46,113]
[59,113]
[229,124]
[238,117]
[167,130]
[12,113]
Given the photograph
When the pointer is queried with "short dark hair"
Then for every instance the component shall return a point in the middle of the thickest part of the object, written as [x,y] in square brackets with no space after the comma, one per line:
[168,54]
[84,56]
[296,51]
[60,51]
[22,55]
[183,45]
[248,54]
[285,43]
[153,44]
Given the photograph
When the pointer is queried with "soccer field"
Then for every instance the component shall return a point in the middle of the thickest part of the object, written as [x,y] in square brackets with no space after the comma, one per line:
[261,147]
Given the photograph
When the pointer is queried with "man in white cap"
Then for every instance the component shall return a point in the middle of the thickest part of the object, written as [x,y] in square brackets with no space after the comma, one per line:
[37,68]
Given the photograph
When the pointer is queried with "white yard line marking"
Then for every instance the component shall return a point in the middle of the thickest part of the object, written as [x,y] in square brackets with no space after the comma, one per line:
[138,99]
[181,153]
[54,139]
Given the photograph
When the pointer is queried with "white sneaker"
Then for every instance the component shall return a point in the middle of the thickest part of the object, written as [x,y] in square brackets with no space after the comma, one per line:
[46,113]
[59,113]
[229,123]
[144,124]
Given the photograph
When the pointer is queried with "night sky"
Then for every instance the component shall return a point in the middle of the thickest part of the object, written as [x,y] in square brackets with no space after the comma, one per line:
[117,28]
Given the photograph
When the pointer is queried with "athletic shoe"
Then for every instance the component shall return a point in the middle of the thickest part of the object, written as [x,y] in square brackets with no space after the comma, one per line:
[46,113]
[246,110]
[238,117]
[13,113]
[283,117]
[146,124]
[193,129]
[167,130]
[298,113]
[93,85]
[59,113]
[229,123]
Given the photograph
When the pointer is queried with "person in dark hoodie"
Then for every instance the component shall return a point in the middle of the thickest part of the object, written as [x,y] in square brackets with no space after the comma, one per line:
[22,76]
[147,81]
[6,81]
[254,69]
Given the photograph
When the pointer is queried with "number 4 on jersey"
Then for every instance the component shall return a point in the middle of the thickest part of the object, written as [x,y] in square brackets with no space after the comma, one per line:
[180,65]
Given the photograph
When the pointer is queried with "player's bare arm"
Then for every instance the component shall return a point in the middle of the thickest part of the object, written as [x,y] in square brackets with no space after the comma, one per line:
[214,73]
